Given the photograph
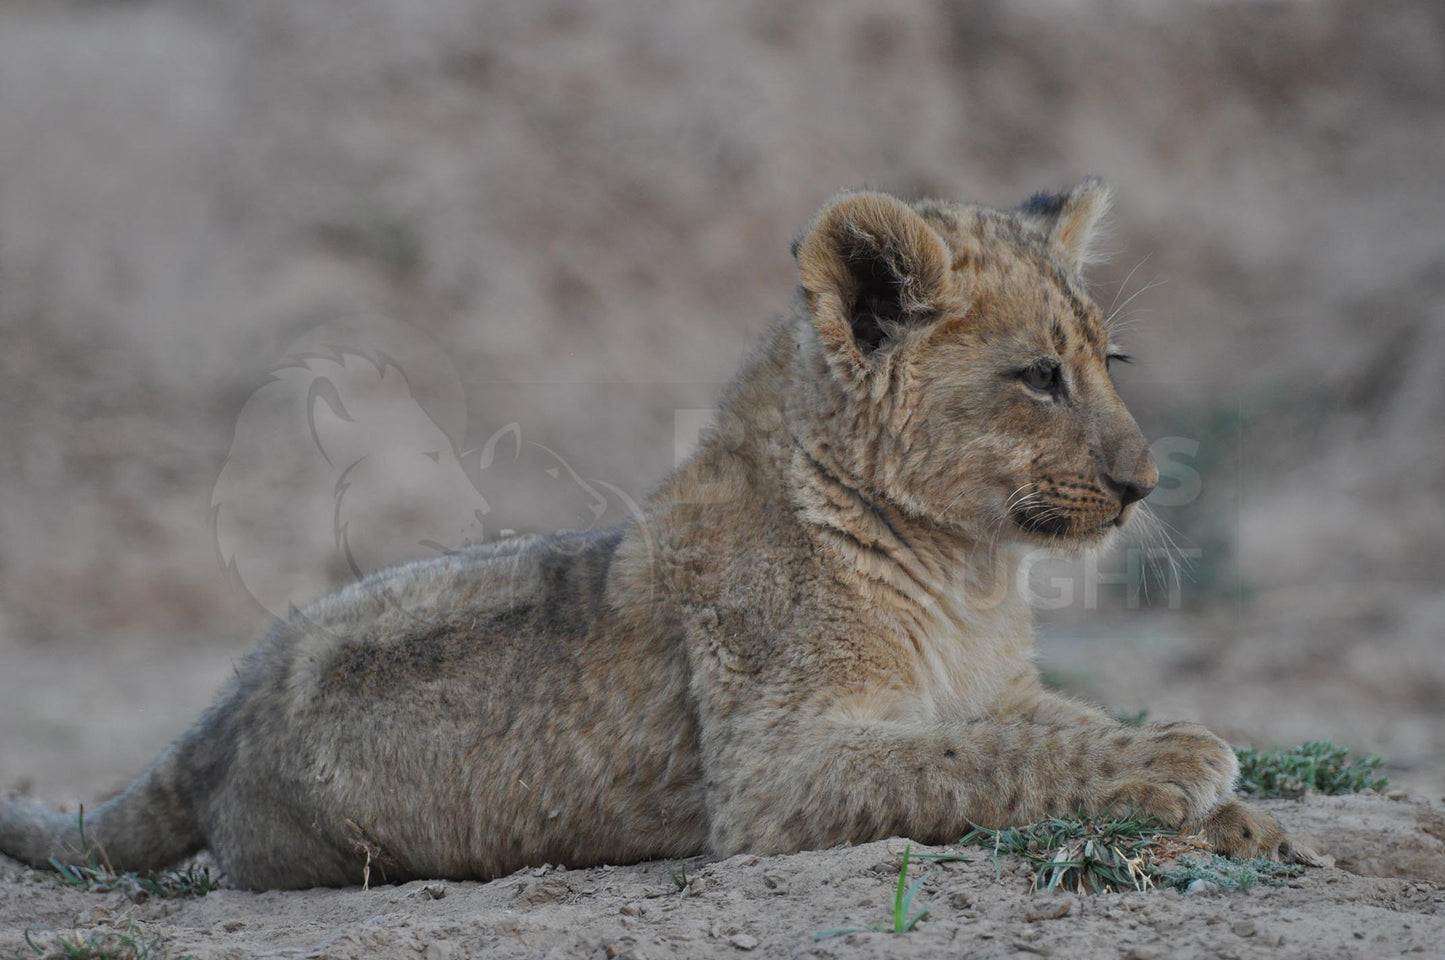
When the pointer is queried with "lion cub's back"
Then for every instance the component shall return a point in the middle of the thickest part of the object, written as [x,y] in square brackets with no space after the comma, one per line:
[453,627]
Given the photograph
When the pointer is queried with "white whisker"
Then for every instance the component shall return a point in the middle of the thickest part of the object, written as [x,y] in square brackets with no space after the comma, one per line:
[1144,289]
[1125,283]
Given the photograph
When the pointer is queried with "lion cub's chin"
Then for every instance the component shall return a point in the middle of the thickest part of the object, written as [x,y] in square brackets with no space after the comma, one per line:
[1072,544]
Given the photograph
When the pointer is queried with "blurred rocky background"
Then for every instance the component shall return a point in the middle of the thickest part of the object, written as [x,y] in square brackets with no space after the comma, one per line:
[524,243]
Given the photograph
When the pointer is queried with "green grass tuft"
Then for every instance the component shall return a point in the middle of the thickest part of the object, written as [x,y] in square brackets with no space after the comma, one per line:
[46,943]
[1225,873]
[1107,855]
[97,876]
[1079,854]
[1315,767]
[904,919]
[194,881]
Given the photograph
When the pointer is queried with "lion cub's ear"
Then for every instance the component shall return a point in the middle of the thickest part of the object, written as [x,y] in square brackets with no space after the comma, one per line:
[870,267]
[1070,220]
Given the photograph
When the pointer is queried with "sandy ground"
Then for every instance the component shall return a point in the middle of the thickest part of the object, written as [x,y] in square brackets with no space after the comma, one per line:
[772,906]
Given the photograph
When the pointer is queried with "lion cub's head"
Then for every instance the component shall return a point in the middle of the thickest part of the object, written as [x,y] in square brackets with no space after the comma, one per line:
[957,365]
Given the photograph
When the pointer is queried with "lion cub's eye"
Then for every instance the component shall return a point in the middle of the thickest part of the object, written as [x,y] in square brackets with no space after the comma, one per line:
[1042,376]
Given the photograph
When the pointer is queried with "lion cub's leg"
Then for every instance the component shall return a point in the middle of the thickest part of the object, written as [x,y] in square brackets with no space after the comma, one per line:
[852,782]
[1232,828]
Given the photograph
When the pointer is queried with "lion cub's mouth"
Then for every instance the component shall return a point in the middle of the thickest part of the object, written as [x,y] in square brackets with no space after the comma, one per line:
[1125,513]
[1043,524]
[1048,524]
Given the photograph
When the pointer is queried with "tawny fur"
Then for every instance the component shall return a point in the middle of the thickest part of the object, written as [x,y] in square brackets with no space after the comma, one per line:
[814,635]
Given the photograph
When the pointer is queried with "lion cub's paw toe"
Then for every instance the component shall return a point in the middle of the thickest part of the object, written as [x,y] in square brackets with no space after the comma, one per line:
[1179,772]
[1238,830]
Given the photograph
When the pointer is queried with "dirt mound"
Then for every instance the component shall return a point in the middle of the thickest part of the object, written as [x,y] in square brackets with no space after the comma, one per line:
[773,906]
[1370,835]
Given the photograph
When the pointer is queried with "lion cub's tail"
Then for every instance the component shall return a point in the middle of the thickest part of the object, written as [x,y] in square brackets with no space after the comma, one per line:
[152,824]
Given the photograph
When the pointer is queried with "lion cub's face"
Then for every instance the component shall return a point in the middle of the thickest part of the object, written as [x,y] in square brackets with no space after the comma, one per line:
[970,369]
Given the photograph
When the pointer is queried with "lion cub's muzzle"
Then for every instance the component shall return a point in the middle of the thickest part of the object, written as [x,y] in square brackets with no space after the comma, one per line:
[1079,508]
[1130,491]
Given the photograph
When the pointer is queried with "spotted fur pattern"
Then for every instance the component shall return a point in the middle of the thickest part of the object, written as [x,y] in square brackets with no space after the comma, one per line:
[814,634]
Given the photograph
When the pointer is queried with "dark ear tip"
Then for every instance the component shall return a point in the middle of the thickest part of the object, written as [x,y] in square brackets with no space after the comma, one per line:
[795,246]
[1044,204]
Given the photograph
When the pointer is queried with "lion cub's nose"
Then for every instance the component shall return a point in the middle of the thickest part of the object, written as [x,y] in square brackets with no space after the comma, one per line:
[1128,491]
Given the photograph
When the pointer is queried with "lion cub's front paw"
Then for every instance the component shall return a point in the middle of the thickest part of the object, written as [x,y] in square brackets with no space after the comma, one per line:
[1176,772]
[1239,830]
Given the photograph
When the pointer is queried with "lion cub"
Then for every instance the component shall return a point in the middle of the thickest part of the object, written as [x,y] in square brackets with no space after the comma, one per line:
[812,637]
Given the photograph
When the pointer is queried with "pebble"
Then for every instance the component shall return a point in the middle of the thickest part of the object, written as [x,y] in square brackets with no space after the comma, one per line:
[743,941]
[546,890]
[1199,887]
[133,891]
[1242,928]
[1051,911]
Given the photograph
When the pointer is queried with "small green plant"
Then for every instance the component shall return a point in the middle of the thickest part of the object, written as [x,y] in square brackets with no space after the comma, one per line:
[943,857]
[194,881]
[1225,873]
[97,876]
[1120,853]
[1318,766]
[904,919]
[679,877]
[95,946]
[1079,854]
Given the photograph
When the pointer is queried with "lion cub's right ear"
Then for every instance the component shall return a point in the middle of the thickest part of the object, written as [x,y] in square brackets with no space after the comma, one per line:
[870,267]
